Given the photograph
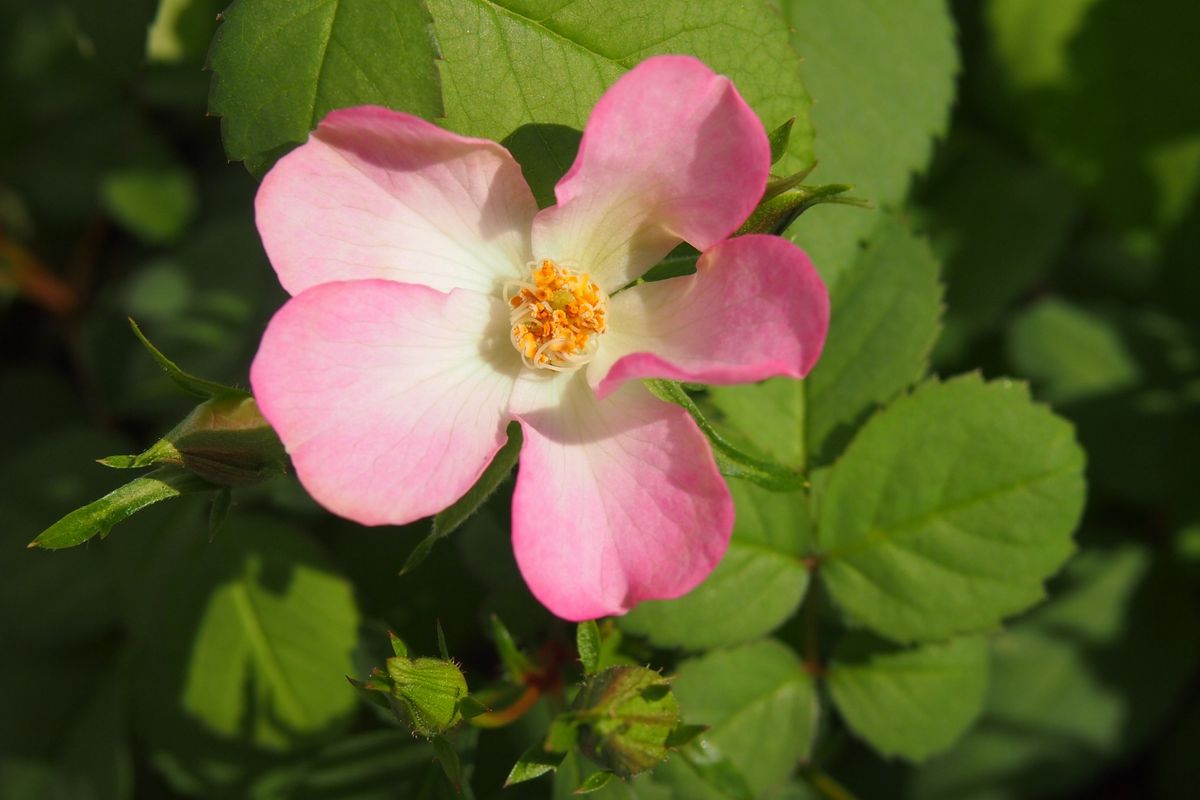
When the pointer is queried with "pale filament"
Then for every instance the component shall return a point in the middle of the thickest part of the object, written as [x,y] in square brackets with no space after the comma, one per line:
[556,317]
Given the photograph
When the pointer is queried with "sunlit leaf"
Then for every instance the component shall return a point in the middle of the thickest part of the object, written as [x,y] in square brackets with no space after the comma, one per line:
[949,510]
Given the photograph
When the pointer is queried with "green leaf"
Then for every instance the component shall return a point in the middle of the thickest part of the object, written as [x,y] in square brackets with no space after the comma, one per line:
[883,321]
[587,642]
[251,645]
[1071,353]
[768,417]
[448,520]
[871,65]
[731,461]
[533,763]
[98,518]
[715,770]
[546,63]
[756,587]
[399,648]
[908,702]
[1082,680]
[1139,160]
[743,692]
[278,69]
[949,510]
[189,383]
[595,782]
[154,204]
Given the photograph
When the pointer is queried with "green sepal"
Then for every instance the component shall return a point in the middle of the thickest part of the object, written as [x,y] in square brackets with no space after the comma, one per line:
[98,517]
[587,641]
[731,461]
[533,763]
[595,782]
[373,694]
[514,661]
[448,520]
[219,511]
[470,708]
[685,734]
[224,440]
[775,213]
[563,735]
[186,381]
[447,756]
[779,139]
[399,648]
[625,716]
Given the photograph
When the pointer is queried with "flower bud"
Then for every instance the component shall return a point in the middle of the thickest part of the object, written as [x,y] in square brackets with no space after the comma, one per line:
[225,441]
[626,715]
[430,690]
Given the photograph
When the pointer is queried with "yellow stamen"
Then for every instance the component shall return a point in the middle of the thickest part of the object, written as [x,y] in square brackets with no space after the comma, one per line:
[556,316]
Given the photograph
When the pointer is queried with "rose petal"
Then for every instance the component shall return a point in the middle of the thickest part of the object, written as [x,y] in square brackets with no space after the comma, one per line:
[616,502]
[386,394]
[755,308]
[670,152]
[375,193]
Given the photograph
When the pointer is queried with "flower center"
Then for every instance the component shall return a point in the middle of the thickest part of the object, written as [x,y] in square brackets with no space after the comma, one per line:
[557,316]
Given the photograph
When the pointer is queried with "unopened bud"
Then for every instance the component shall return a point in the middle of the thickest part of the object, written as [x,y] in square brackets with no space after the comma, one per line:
[225,441]
[430,690]
[626,715]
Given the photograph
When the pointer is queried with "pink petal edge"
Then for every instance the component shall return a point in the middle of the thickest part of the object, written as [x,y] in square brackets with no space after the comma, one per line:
[670,152]
[755,308]
[616,502]
[375,193]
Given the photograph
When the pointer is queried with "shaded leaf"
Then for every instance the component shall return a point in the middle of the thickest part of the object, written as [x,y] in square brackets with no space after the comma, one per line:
[912,703]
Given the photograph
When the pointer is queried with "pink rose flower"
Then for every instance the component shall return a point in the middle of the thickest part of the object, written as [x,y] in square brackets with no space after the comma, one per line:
[432,303]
